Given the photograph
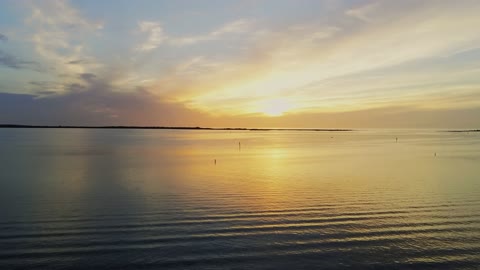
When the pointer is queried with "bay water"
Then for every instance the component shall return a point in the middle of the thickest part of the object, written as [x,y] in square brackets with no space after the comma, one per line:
[219,199]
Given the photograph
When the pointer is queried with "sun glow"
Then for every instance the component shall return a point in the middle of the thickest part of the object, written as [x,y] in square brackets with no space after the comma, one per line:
[275,107]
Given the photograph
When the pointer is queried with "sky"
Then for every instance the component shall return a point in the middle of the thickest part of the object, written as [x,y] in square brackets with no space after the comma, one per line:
[250,63]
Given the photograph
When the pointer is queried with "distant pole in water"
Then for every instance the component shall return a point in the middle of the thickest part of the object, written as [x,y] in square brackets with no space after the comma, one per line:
[435,154]
[239,146]
[215,161]
[396,139]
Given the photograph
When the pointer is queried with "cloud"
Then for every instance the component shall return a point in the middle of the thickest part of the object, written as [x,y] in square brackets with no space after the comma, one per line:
[234,27]
[363,13]
[3,38]
[88,76]
[44,88]
[325,73]
[60,34]
[10,61]
[78,62]
[237,26]
[155,35]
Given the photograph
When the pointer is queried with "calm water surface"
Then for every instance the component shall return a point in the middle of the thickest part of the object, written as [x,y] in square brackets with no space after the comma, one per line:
[128,199]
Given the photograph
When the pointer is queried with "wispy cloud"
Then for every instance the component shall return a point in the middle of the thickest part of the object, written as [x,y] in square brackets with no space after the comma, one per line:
[234,27]
[363,13]
[157,36]
[3,38]
[59,33]
[294,65]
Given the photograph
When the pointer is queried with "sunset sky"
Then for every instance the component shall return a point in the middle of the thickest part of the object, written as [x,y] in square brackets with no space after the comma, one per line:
[248,63]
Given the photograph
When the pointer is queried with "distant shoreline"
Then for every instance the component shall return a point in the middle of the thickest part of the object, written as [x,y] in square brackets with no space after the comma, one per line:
[174,127]
[205,128]
[464,130]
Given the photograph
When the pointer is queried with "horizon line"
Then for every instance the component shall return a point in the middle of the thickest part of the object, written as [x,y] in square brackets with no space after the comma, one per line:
[203,128]
[168,127]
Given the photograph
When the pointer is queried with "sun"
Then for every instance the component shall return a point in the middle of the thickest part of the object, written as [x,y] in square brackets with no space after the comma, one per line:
[275,107]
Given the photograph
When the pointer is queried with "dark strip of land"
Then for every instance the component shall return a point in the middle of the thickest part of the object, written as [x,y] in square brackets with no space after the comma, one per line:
[464,130]
[183,128]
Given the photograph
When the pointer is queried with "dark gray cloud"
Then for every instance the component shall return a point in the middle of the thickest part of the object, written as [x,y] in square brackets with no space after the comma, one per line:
[44,88]
[3,38]
[78,62]
[87,76]
[45,92]
[10,61]
[42,84]
[93,103]
[93,108]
